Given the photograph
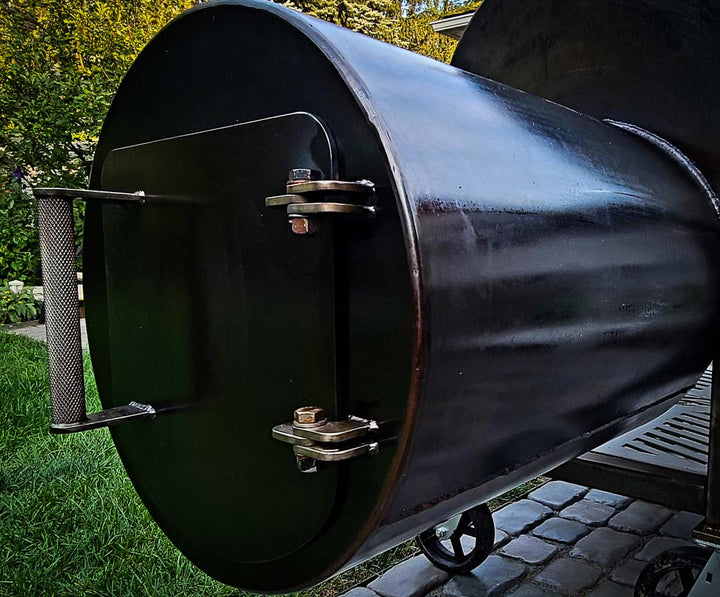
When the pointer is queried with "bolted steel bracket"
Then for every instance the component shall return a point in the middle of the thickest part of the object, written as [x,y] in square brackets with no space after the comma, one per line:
[308,197]
[445,529]
[315,439]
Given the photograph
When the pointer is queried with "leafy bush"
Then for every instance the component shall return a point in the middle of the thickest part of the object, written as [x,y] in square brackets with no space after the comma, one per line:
[17,307]
[19,251]
[60,64]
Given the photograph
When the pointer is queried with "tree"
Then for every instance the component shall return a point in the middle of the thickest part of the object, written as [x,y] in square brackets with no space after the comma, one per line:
[405,23]
[375,18]
[60,64]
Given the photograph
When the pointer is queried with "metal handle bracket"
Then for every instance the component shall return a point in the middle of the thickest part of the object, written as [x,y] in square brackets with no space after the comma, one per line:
[65,359]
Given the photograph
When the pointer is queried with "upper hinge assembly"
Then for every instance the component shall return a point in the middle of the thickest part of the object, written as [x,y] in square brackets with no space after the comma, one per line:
[307,198]
[315,439]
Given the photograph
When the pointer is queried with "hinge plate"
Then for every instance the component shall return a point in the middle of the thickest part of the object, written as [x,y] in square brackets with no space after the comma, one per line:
[328,441]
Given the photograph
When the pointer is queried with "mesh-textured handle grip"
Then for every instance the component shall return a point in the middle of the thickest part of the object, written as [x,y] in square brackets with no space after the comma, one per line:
[57,250]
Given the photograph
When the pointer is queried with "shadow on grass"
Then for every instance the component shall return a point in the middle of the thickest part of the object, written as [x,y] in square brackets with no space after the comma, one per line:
[70,520]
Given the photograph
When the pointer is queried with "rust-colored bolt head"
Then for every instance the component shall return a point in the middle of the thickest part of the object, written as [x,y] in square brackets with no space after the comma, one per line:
[304,225]
[300,174]
[309,415]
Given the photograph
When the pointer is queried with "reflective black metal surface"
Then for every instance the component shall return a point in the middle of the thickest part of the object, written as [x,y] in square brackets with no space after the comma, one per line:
[652,63]
[534,283]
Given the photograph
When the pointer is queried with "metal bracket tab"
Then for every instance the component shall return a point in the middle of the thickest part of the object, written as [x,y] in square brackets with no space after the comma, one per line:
[309,198]
[309,209]
[316,439]
[107,417]
[707,584]
[336,453]
[89,194]
[364,187]
[334,432]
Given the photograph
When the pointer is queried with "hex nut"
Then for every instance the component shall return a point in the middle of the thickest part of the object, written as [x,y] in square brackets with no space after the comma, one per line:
[304,225]
[302,174]
[307,465]
[309,415]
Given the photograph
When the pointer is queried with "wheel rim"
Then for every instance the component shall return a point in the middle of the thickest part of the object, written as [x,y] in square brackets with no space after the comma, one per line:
[466,547]
[672,573]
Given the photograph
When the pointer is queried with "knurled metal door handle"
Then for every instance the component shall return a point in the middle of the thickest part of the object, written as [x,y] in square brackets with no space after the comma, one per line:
[65,358]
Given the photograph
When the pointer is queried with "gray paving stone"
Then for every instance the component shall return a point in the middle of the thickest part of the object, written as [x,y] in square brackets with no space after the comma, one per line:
[681,525]
[605,547]
[561,530]
[530,550]
[607,498]
[569,575]
[558,494]
[37,331]
[657,545]
[492,578]
[520,516]
[611,589]
[588,512]
[412,578]
[501,537]
[640,517]
[627,574]
[528,590]
[359,592]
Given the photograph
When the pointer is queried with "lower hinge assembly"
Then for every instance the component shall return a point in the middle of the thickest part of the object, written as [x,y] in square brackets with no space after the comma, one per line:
[308,198]
[316,440]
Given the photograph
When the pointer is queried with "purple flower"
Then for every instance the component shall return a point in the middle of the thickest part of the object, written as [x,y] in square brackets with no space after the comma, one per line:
[17,174]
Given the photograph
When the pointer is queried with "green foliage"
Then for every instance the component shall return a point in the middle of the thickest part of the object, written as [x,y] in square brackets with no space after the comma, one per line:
[404,23]
[60,65]
[19,251]
[17,306]
[413,30]
[371,17]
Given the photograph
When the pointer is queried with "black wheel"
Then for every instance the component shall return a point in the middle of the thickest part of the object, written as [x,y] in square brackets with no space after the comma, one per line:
[672,573]
[466,547]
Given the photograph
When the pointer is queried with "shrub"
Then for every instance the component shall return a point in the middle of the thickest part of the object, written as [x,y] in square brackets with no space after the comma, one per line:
[17,307]
[19,245]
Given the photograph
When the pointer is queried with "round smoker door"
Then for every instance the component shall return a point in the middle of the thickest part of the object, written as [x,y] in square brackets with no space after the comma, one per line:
[217,312]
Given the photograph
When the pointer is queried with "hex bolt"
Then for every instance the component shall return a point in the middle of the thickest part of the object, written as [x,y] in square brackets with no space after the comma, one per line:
[442,532]
[309,416]
[306,464]
[303,174]
[304,225]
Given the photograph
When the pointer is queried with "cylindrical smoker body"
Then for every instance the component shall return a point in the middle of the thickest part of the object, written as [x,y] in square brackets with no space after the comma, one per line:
[535,282]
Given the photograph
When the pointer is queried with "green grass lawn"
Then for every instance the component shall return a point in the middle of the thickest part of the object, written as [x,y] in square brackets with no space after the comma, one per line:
[70,520]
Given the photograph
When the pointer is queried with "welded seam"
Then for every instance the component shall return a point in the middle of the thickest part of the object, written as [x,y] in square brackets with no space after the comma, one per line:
[675,154]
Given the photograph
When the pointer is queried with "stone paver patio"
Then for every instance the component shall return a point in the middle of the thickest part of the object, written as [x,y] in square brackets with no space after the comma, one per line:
[563,539]
[36,331]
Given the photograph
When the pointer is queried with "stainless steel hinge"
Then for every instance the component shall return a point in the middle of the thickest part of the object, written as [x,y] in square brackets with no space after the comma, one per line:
[308,198]
[315,439]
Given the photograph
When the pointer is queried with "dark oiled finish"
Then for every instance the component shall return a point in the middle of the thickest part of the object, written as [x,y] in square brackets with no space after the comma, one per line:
[535,283]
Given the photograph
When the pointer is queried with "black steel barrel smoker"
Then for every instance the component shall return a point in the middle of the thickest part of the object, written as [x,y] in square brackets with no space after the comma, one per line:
[459,286]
